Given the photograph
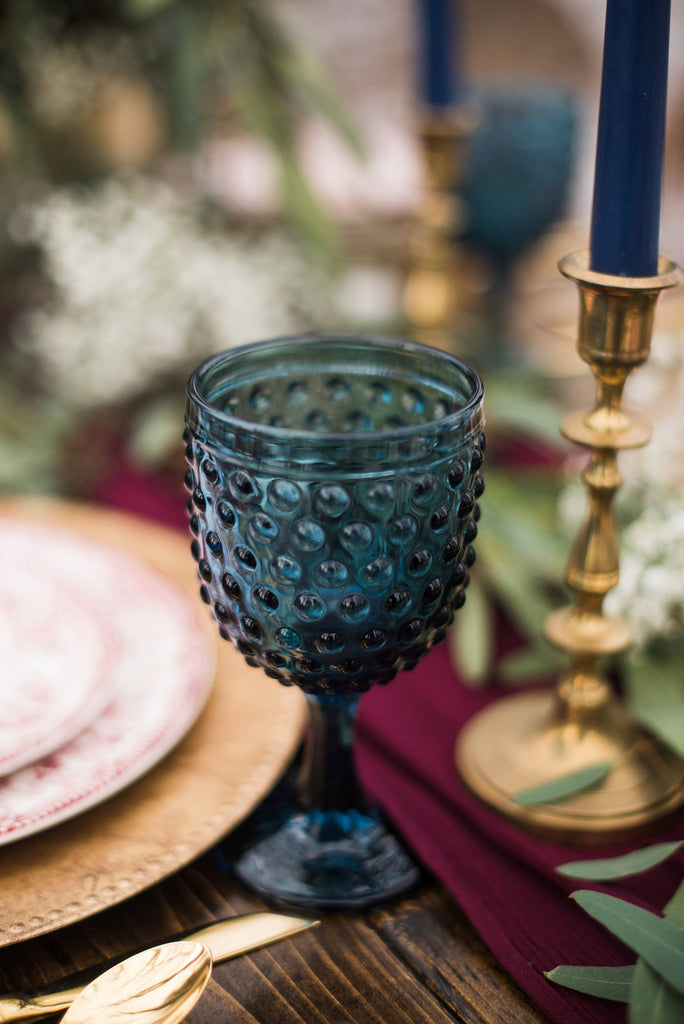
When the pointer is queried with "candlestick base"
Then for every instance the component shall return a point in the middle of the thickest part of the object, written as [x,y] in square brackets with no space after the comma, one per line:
[531,738]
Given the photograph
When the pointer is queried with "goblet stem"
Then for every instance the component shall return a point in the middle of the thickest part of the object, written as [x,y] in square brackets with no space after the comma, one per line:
[328,780]
[330,850]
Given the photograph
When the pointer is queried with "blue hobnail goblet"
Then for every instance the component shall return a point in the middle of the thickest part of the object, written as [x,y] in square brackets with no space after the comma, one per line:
[333,501]
[520,164]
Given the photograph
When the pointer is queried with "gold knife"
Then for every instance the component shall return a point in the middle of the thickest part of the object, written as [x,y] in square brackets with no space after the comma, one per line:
[225,939]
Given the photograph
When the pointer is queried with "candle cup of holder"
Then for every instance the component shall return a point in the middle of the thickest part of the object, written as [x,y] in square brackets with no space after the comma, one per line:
[334,484]
[529,739]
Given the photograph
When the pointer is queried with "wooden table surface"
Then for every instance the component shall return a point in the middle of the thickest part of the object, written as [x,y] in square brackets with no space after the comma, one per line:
[418,960]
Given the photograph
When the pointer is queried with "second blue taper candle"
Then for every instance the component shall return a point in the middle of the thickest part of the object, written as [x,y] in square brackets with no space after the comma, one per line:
[440,82]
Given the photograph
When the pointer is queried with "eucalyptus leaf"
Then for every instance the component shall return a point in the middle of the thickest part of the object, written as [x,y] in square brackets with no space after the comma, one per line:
[520,547]
[658,941]
[675,905]
[145,8]
[652,1000]
[471,638]
[322,98]
[517,405]
[609,868]
[308,213]
[655,691]
[564,786]
[605,982]
[676,917]
[537,661]
[516,588]
[522,511]
[186,75]
[154,435]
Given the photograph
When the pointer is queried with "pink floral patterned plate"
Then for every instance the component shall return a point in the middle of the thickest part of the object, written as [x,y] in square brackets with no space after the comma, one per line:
[152,648]
[56,657]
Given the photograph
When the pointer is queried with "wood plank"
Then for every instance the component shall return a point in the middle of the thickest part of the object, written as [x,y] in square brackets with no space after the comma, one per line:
[342,971]
[434,937]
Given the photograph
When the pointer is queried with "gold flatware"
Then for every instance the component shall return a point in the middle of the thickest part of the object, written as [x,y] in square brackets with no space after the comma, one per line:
[158,986]
[225,939]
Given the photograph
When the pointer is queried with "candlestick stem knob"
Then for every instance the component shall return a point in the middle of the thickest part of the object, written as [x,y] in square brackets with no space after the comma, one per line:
[433,289]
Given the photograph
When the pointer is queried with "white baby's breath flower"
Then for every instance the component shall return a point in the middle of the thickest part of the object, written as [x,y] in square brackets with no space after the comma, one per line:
[650,592]
[649,506]
[655,392]
[141,289]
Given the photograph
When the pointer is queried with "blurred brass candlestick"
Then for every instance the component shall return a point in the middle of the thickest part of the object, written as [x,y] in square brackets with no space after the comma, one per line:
[532,738]
[432,293]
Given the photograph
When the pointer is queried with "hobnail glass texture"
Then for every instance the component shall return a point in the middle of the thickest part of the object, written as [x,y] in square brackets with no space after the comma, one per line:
[333,500]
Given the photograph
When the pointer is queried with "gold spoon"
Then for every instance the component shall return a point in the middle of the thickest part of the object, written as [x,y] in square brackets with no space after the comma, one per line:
[158,986]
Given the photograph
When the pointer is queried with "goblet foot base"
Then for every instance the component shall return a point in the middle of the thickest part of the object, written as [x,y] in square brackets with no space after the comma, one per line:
[525,740]
[333,860]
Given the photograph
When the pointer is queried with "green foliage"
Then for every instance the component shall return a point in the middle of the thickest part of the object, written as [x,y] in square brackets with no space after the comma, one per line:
[675,906]
[471,641]
[654,986]
[652,1000]
[604,982]
[610,868]
[658,941]
[520,550]
[655,688]
[564,786]
[523,403]
[33,432]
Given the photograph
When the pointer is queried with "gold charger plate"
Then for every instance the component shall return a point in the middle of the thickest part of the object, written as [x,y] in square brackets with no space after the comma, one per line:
[233,755]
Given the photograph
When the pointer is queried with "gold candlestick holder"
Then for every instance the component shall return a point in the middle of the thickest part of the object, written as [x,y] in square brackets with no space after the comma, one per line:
[433,289]
[531,738]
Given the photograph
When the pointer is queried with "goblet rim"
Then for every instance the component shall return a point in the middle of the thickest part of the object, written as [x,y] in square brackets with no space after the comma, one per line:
[451,419]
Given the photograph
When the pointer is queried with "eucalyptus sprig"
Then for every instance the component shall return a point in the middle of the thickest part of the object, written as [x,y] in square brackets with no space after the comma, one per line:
[653,987]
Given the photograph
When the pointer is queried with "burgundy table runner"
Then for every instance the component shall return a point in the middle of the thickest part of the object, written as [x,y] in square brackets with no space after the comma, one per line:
[502,878]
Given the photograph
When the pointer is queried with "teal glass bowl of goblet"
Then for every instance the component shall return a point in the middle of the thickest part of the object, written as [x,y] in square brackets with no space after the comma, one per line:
[334,484]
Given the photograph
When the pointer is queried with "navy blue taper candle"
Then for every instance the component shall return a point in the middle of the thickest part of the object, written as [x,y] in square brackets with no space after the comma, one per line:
[625,223]
[440,83]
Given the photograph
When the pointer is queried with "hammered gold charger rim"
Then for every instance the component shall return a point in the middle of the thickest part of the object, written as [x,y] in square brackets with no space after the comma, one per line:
[241,743]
